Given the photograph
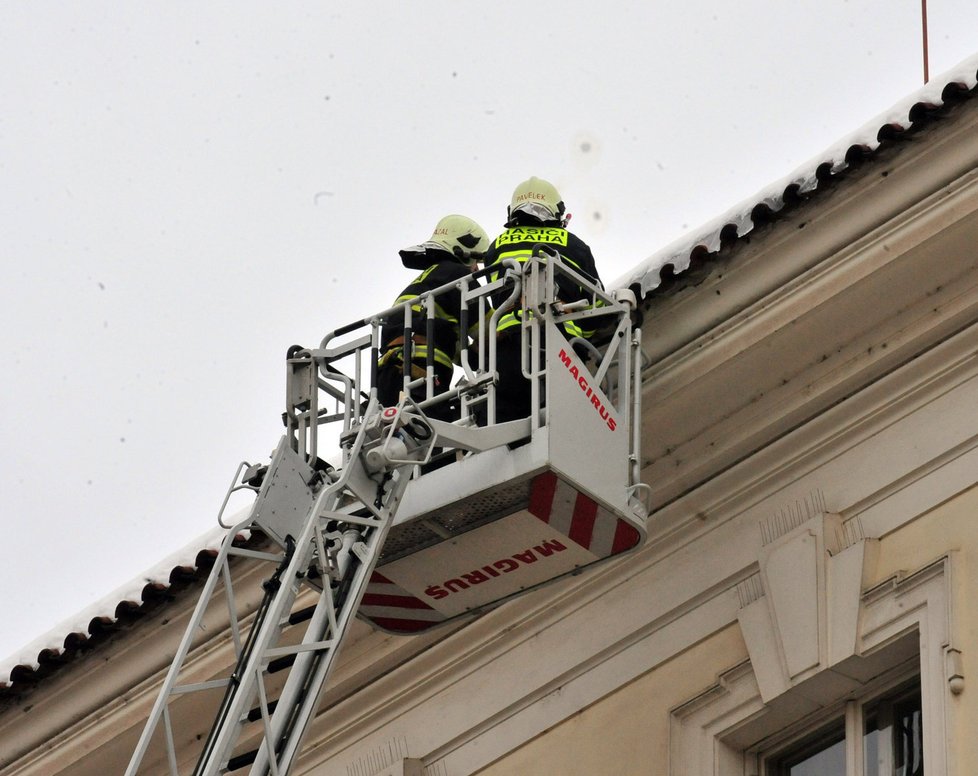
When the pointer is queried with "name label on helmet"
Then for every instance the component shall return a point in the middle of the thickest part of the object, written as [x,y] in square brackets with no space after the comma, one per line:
[537,234]
[530,196]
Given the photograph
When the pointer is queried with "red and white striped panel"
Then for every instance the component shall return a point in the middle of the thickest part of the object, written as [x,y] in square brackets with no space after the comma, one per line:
[394,609]
[579,518]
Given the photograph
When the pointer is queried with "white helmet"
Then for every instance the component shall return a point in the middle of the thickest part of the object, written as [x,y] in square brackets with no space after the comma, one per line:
[459,235]
[538,199]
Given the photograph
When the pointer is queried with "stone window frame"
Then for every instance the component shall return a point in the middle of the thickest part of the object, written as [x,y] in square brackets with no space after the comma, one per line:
[849,717]
[724,730]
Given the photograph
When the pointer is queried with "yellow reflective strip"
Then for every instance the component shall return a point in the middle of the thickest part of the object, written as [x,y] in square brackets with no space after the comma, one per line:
[421,352]
[406,298]
[520,256]
[507,321]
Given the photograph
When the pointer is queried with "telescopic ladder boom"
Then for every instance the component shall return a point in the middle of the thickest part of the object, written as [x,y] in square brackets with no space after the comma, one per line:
[357,540]
[332,526]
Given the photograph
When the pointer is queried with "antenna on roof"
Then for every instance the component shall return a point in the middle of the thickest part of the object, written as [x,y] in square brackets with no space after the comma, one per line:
[923,24]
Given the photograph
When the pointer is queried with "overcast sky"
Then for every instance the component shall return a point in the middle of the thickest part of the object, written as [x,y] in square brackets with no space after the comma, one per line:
[186,189]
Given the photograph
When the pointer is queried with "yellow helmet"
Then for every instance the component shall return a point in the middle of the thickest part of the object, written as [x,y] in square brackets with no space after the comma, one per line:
[459,235]
[537,199]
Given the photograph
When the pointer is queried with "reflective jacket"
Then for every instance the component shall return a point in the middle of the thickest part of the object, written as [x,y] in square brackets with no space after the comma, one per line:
[447,315]
[517,242]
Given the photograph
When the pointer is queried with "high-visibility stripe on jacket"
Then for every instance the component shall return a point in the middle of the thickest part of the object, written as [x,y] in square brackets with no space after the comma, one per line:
[518,243]
[448,310]
[418,353]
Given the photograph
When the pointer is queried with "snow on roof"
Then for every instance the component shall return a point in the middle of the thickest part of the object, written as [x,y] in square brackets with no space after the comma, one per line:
[86,623]
[647,276]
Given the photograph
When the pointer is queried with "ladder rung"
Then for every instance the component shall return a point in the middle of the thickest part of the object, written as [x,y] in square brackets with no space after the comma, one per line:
[301,615]
[280,664]
[240,761]
[255,714]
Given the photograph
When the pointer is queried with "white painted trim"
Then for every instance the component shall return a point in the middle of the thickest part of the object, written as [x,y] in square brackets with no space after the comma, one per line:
[703,728]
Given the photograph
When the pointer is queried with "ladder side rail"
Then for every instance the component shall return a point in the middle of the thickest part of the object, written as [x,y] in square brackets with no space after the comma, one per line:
[359,551]
[268,629]
[241,657]
[320,625]
[320,664]
[265,633]
[173,673]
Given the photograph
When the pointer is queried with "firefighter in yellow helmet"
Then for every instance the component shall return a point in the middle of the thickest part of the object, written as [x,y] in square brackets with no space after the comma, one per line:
[450,254]
[536,215]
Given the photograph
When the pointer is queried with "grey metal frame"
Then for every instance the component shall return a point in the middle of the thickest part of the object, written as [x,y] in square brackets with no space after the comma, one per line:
[329,525]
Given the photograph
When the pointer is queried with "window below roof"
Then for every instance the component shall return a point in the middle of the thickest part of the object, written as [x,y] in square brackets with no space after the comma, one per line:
[890,729]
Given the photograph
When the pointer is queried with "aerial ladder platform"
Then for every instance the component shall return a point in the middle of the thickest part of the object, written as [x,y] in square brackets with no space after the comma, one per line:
[419,521]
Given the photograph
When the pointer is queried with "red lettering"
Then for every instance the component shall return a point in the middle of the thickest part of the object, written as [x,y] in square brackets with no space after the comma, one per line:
[549,547]
[545,549]
[475,577]
[582,382]
[456,585]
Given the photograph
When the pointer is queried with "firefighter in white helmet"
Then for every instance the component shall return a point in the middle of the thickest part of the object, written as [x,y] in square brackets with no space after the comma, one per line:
[451,253]
[536,215]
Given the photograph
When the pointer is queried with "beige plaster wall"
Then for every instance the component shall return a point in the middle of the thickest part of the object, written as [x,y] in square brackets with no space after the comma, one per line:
[627,732]
[951,528]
